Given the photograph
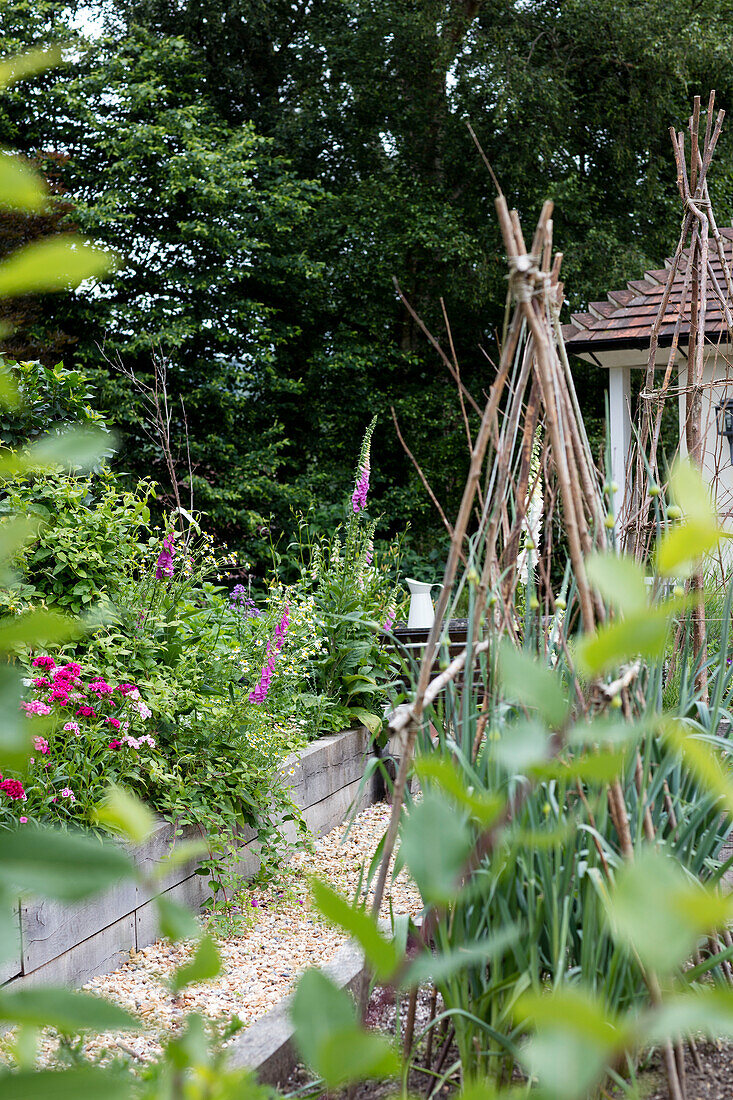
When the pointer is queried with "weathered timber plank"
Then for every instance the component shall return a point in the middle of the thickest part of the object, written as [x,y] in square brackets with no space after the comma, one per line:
[13,964]
[192,892]
[104,951]
[50,928]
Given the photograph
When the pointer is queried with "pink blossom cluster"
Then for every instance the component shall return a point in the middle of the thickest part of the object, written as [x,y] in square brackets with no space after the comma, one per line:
[164,566]
[259,692]
[13,788]
[133,742]
[40,744]
[359,496]
[36,707]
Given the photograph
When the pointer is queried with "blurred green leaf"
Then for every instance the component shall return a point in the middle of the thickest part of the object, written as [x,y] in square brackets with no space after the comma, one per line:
[184,851]
[594,768]
[619,580]
[64,1010]
[52,263]
[700,532]
[659,912]
[483,806]
[37,627]
[67,866]
[83,1083]
[9,397]
[72,448]
[205,964]
[435,843]
[15,731]
[380,952]
[520,746]
[15,533]
[328,1037]
[175,921]
[702,760]
[636,635]
[20,187]
[447,963]
[354,1054]
[28,64]
[707,1011]
[532,684]
[10,944]
[575,1038]
[121,812]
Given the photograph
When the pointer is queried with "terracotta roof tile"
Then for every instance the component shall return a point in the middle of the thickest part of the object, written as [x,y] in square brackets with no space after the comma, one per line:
[627,316]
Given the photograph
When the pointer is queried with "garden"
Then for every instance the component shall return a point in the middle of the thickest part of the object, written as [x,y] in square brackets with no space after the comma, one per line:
[286,844]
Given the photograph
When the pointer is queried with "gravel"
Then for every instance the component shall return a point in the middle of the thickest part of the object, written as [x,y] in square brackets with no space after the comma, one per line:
[279,936]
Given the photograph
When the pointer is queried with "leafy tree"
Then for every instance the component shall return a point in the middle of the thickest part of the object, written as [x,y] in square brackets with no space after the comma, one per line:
[267,169]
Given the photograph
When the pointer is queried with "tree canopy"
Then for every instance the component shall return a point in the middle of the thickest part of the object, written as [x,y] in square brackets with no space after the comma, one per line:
[265,170]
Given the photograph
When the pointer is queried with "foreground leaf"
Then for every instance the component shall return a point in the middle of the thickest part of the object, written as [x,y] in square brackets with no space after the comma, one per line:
[66,866]
[328,1037]
[85,1083]
[205,964]
[63,1009]
[380,952]
[435,843]
[53,263]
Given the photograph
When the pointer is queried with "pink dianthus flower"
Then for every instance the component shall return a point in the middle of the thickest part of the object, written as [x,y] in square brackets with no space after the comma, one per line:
[40,744]
[85,711]
[43,662]
[115,745]
[36,707]
[13,788]
[41,683]
[100,687]
[72,727]
[114,722]
[68,793]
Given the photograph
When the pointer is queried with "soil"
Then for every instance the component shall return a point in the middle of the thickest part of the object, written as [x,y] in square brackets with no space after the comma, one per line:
[712,1081]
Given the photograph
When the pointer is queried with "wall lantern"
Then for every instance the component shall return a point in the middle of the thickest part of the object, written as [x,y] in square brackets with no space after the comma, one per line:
[724,420]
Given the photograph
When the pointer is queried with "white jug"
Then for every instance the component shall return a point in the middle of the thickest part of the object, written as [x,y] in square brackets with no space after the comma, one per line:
[422,612]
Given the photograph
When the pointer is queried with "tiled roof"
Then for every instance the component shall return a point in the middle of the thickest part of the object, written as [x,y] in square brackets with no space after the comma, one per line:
[625,319]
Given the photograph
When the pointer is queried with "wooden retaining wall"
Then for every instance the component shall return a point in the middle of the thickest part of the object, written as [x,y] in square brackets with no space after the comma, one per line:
[69,944]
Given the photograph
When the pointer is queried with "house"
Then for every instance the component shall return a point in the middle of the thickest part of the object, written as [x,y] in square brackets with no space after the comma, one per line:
[614,336]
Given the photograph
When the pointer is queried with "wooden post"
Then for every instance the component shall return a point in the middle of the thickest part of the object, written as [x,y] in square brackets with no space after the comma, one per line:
[619,410]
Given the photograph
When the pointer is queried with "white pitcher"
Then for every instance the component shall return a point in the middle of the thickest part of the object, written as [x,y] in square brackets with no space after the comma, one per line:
[422,612]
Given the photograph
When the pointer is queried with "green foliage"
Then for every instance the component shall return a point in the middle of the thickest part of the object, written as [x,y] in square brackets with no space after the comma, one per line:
[560,942]
[174,128]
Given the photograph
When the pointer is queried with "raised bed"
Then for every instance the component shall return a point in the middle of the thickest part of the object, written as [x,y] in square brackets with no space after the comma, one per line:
[72,943]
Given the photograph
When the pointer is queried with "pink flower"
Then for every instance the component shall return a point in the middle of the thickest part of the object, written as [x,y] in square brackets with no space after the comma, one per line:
[359,496]
[23,820]
[41,683]
[72,727]
[100,687]
[40,744]
[164,566]
[67,672]
[68,793]
[388,624]
[85,711]
[43,662]
[142,708]
[13,788]
[115,745]
[36,707]
[59,694]
[127,689]
[114,722]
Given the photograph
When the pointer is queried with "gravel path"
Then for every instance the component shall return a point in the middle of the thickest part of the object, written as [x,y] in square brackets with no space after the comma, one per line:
[280,935]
